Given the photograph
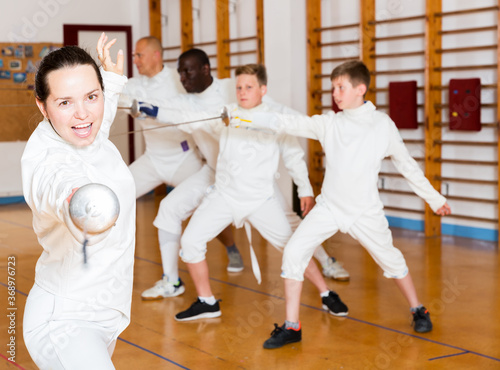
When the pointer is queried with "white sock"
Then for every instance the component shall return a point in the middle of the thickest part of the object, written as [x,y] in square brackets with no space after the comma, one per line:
[208,300]
[169,250]
[321,255]
[325,294]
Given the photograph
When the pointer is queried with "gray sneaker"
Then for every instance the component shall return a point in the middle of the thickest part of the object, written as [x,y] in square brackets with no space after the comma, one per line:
[235,262]
[163,289]
[334,270]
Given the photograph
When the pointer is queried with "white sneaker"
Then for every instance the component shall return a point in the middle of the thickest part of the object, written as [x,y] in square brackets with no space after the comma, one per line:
[334,270]
[163,289]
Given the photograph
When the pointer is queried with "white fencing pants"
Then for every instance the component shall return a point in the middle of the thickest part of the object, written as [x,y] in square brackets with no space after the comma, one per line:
[64,334]
[181,202]
[294,219]
[215,214]
[147,176]
[371,230]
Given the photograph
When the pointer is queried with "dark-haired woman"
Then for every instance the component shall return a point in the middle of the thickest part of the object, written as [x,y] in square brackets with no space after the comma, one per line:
[75,310]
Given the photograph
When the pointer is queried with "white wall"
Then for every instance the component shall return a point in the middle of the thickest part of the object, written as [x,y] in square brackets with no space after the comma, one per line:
[42,20]
[285,60]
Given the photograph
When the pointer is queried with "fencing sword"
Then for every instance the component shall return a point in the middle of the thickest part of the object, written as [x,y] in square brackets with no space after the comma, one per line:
[224,116]
[134,109]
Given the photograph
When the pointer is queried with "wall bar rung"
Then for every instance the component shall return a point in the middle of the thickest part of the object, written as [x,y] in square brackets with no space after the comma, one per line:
[242,52]
[401,71]
[466,68]
[446,124]
[485,105]
[446,87]
[171,48]
[240,39]
[335,28]
[321,44]
[467,11]
[467,162]
[467,181]
[395,20]
[399,192]
[469,199]
[473,143]
[403,209]
[386,89]
[468,30]
[472,48]
[336,59]
[398,55]
[400,37]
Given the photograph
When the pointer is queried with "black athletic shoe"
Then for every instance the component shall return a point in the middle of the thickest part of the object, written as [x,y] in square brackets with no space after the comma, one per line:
[422,320]
[334,305]
[282,336]
[199,310]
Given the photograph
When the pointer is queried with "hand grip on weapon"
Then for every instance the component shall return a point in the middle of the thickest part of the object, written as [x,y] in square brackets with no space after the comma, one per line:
[148,109]
[262,121]
[237,117]
[91,212]
[139,108]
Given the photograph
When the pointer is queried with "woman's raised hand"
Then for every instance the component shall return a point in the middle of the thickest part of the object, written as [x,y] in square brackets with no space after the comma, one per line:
[104,56]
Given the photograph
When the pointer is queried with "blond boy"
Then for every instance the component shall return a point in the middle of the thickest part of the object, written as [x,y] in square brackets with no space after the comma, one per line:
[355,141]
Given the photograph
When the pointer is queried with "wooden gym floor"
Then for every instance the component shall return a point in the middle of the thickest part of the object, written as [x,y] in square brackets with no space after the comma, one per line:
[458,281]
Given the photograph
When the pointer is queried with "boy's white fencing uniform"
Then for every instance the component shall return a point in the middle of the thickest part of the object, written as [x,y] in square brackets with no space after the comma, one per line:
[182,202]
[244,188]
[171,155]
[355,142]
[75,308]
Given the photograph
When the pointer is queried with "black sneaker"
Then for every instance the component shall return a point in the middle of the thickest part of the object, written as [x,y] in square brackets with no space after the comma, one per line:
[334,305]
[282,336]
[422,320]
[199,310]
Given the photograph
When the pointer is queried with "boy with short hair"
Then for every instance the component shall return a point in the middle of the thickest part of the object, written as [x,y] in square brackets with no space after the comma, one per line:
[355,141]
[243,191]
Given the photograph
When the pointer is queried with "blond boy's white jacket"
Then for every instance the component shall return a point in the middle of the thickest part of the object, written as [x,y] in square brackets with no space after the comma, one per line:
[163,146]
[51,168]
[355,142]
[248,159]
